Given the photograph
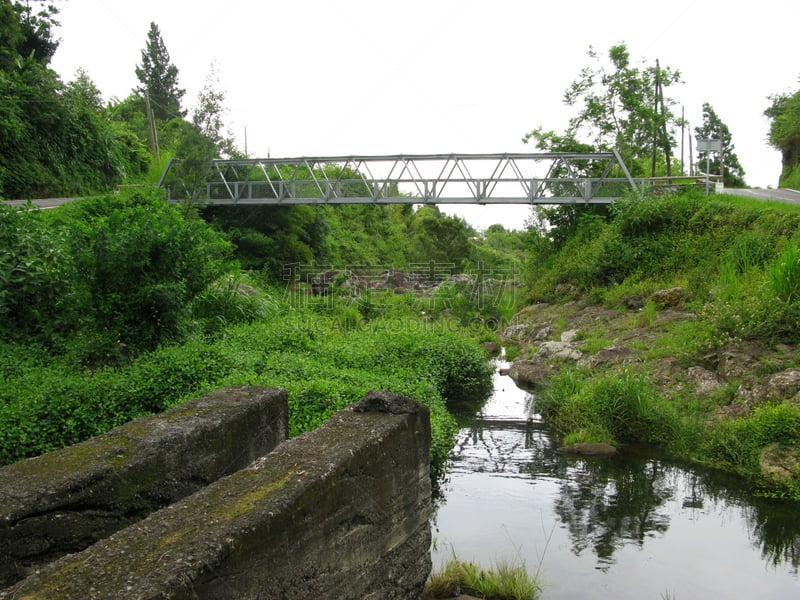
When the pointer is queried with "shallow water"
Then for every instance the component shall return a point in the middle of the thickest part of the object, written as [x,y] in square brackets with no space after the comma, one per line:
[630,526]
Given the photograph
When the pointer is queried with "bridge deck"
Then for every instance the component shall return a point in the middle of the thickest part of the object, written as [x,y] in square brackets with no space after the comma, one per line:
[543,178]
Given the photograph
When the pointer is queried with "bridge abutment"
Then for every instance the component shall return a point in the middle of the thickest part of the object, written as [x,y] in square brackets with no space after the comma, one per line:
[340,511]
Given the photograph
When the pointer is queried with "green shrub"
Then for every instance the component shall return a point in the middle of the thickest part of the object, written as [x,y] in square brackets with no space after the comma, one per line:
[737,444]
[642,215]
[36,276]
[142,263]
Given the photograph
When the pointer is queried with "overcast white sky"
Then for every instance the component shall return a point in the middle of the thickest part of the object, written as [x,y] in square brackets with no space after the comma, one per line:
[342,77]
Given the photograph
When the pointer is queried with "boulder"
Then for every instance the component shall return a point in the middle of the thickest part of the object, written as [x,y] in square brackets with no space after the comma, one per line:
[590,449]
[784,384]
[671,297]
[779,464]
[515,332]
[492,347]
[541,332]
[558,350]
[704,381]
[738,360]
[528,374]
[569,336]
[610,355]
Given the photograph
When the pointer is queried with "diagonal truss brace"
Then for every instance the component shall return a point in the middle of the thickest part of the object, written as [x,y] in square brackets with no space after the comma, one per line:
[544,178]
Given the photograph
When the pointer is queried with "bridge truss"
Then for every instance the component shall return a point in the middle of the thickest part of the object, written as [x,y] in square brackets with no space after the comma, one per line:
[543,178]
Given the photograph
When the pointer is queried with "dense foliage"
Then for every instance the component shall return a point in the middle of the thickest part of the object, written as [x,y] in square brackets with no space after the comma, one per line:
[784,135]
[122,305]
[55,138]
[45,402]
[112,273]
[621,106]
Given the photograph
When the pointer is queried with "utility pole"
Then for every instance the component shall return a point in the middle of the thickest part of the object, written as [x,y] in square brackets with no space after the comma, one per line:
[660,98]
[152,122]
[683,132]
[655,124]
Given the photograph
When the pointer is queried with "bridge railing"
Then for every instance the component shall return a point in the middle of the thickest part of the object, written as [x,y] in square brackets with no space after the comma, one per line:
[544,178]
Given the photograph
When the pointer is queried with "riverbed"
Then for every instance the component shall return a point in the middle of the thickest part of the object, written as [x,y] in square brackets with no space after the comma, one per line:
[629,526]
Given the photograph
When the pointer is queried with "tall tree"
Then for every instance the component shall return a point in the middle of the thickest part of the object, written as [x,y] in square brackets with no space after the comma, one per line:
[784,135]
[623,107]
[714,129]
[159,78]
[209,114]
[25,34]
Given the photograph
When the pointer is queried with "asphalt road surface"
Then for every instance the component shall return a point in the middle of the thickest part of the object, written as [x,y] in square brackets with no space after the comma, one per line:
[781,195]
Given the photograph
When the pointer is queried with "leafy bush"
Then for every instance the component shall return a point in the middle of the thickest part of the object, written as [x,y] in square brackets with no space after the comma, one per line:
[35,275]
[737,443]
[642,215]
[141,263]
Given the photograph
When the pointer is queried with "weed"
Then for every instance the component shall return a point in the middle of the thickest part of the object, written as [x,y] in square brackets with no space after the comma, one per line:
[784,275]
[504,582]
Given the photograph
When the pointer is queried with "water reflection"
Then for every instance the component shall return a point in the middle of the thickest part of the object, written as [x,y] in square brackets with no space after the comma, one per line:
[606,505]
[632,525]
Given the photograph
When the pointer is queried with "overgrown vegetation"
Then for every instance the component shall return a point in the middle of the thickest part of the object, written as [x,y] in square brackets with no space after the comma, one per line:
[46,403]
[737,265]
[119,306]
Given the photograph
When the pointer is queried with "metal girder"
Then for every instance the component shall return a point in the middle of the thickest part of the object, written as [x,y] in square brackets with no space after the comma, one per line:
[544,178]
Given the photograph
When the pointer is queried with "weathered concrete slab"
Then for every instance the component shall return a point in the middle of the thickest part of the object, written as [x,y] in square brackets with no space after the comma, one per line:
[66,500]
[340,512]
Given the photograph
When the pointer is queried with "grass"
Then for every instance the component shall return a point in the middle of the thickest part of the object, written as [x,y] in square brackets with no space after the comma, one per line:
[505,581]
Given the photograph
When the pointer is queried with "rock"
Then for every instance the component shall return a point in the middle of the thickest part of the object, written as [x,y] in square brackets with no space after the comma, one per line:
[515,331]
[322,284]
[779,464]
[491,347]
[541,332]
[634,302]
[704,381]
[610,355]
[735,361]
[783,385]
[749,392]
[671,297]
[590,449]
[528,374]
[731,411]
[566,290]
[558,350]
[569,336]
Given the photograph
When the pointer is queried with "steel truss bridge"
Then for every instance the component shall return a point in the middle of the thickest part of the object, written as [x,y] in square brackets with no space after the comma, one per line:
[544,178]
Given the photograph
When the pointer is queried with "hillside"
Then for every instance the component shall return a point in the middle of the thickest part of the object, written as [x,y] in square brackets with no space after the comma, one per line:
[671,322]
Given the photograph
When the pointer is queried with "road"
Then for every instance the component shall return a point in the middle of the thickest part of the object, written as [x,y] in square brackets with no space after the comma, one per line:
[41,203]
[780,195]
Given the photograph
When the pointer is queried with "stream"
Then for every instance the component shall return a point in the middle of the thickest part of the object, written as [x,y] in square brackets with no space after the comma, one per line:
[629,526]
